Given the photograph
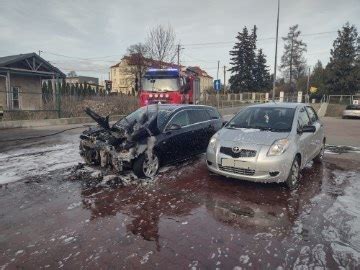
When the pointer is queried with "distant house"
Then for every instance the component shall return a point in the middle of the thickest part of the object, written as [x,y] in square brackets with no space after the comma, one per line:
[92,81]
[122,74]
[206,81]
[82,79]
[20,81]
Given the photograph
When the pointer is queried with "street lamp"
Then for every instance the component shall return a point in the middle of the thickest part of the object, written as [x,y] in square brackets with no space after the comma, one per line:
[276,46]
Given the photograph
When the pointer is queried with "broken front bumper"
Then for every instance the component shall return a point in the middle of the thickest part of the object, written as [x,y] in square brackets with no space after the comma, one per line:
[101,153]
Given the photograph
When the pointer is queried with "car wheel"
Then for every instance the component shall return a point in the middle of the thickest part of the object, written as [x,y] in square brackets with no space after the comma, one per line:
[320,156]
[293,179]
[146,167]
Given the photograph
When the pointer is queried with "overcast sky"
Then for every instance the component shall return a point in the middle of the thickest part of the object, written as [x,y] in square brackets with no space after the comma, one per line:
[102,30]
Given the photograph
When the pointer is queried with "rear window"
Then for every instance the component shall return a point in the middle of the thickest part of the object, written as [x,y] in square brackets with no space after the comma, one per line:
[353,107]
[197,116]
[214,114]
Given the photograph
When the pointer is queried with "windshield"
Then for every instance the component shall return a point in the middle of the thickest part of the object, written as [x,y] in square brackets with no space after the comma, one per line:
[264,118]
[146,113]
[353,107]
[160,84]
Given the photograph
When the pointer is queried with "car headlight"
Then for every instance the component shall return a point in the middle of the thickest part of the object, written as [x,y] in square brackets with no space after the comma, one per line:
[278,147]
[213,141]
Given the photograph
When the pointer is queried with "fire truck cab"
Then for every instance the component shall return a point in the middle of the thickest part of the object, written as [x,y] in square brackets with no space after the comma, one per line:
[168,86]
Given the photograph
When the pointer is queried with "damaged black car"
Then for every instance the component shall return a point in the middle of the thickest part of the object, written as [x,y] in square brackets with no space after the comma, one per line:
[150,137]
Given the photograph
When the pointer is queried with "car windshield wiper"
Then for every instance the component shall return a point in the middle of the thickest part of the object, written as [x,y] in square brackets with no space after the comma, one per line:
[271,129]
[262,128]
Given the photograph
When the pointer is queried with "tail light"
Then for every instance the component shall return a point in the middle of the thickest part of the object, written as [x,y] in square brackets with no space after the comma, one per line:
[167,96]
[151,95]
[161,95]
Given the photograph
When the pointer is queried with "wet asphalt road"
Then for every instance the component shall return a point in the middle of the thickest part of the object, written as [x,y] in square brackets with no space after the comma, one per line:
[185,218]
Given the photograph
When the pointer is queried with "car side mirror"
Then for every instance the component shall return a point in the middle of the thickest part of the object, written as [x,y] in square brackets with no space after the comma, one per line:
[308,129]
[173,127]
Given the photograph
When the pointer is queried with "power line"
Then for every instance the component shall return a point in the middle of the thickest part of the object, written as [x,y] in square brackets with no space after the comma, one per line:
[260,39]
[84,59]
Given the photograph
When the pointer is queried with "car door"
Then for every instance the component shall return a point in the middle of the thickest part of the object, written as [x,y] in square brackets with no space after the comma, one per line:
[202,128]
[175,144]
[305,139]
[319,133]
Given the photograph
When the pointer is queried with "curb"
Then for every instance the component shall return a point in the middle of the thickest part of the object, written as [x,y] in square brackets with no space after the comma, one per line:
[81,120]
[51,122]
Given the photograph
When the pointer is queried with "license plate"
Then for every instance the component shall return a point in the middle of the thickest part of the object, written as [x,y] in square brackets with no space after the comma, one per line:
[242,164]
[228,162]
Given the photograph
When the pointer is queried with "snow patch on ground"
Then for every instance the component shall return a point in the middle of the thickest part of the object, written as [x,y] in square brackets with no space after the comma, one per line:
[145,258]
[19,164]
[344,216]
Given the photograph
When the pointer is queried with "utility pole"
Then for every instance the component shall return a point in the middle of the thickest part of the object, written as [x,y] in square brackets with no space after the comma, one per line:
[291,60]
[308,85]
[276,46]
[178,56]
[224,79]
[217,74]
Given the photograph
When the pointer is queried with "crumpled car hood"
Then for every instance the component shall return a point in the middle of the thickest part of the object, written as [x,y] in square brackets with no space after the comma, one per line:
[251,136]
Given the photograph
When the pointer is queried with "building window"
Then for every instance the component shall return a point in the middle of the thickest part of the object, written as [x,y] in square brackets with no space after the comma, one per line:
[15,98]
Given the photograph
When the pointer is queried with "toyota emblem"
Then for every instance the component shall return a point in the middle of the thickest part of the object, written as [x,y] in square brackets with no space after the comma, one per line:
[236,149]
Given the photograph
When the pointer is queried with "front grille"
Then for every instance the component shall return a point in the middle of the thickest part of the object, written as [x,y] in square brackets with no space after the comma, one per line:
[243,152]
[237,170]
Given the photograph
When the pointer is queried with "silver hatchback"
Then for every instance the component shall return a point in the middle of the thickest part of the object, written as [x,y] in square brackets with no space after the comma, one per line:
[268,143]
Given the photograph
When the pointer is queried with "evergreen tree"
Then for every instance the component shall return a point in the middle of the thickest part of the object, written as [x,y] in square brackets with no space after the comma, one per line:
[44,91]
[81,90]
[243,61]
[49,90]
[318,79]
[67,89]
[72,90]
[293,63]
[85,89]
[261,72]
[89,90]
[343,70]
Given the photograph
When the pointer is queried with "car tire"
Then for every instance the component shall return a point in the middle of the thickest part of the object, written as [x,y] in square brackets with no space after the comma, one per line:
[319,158]
[145,168]
[293,179]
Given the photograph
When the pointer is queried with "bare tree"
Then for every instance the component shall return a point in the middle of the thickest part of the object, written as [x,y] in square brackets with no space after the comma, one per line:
[161,43]
[138,63]
[72,73]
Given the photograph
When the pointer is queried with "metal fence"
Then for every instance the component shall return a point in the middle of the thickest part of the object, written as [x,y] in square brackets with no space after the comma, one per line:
[48,105]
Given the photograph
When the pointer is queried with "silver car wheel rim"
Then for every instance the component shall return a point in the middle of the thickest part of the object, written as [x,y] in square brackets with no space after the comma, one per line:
[150,166]
[295,173]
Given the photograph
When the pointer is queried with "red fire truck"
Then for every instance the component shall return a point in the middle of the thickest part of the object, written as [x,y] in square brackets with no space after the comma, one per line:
[169,86]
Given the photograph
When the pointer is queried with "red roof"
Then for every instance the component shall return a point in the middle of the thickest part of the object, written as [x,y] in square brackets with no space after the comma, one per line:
[160,64]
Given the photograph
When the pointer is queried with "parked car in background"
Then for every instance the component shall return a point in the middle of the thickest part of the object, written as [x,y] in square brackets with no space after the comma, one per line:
[268,143]
[150,137]
[351,111]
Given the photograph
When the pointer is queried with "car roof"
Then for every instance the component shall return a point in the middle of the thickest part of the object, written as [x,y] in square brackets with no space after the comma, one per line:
[173,107]
[280,105]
